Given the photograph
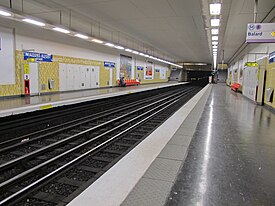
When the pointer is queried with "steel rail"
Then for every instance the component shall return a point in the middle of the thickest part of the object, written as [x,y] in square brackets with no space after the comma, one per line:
[68,125]
[15,161]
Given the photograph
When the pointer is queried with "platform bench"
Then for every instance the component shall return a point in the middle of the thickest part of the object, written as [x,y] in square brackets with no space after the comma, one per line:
[235,87]
[129,82]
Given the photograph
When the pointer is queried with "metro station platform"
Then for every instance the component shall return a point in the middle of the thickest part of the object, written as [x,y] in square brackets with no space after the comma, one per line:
[218,149]
[17,105]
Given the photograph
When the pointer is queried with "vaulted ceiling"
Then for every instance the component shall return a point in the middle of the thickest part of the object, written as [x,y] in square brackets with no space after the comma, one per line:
[178,28]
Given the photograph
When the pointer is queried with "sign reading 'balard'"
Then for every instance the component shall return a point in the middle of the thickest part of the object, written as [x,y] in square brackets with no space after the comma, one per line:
[260,33]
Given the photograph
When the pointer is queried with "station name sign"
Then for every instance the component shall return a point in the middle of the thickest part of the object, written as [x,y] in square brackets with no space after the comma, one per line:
[39,57]
[272,57]
[109,64]
[260,33]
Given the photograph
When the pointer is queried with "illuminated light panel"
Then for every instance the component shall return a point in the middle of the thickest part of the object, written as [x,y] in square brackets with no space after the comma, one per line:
[214,31]
[135,52]
[109,45]
[97,41]
[119,47]
[81,36]
[215,9]
[215,50]
[65,31]
[215,46]
[215,61]
[129,50]
[4,13]
[34,22]
[215,43]
[215,38]
[215,22]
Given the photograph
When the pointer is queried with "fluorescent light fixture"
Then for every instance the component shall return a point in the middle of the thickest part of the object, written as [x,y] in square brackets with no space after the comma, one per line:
[141,54]
[61,30]
[215,46]
[4,13]
[215,43]
[109,45]
[129,50]
[31,21]
[119,47]
[197,64]
[135,52]
[81,36]
[214,31]
[215,9]
[215,38]
[215,61]
[97,41]
[215,22]
[146,55]
[214,50]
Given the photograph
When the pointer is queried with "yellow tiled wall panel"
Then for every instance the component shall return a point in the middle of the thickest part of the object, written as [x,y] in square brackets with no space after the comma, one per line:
[104,76]
[270,82]
[50,70]
[236,76]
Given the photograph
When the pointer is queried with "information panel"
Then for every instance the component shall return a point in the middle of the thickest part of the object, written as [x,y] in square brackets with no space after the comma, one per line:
[7,61]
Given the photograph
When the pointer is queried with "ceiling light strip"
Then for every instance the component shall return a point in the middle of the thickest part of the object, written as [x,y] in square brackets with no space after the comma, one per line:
[65,31]
[5,13]
[34,22]
[215,9]
[81,36]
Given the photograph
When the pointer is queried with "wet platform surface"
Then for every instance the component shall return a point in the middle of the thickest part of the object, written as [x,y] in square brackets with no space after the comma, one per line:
[231,158]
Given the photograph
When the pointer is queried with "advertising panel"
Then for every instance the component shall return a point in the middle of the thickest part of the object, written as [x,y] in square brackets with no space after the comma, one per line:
[149,70]
[126,66]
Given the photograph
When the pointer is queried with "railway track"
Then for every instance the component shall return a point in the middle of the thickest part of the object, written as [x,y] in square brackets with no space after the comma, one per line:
[52,166]
[86,118]
[18,125]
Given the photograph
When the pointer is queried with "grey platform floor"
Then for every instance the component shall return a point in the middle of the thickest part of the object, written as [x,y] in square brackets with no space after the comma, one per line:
[230,160]
[155,185]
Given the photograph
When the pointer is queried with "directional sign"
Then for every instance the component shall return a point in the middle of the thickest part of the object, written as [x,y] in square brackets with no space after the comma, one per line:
[260,33]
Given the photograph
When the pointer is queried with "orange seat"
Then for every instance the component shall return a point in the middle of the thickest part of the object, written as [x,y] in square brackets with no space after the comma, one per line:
[130,82]
[235,87]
